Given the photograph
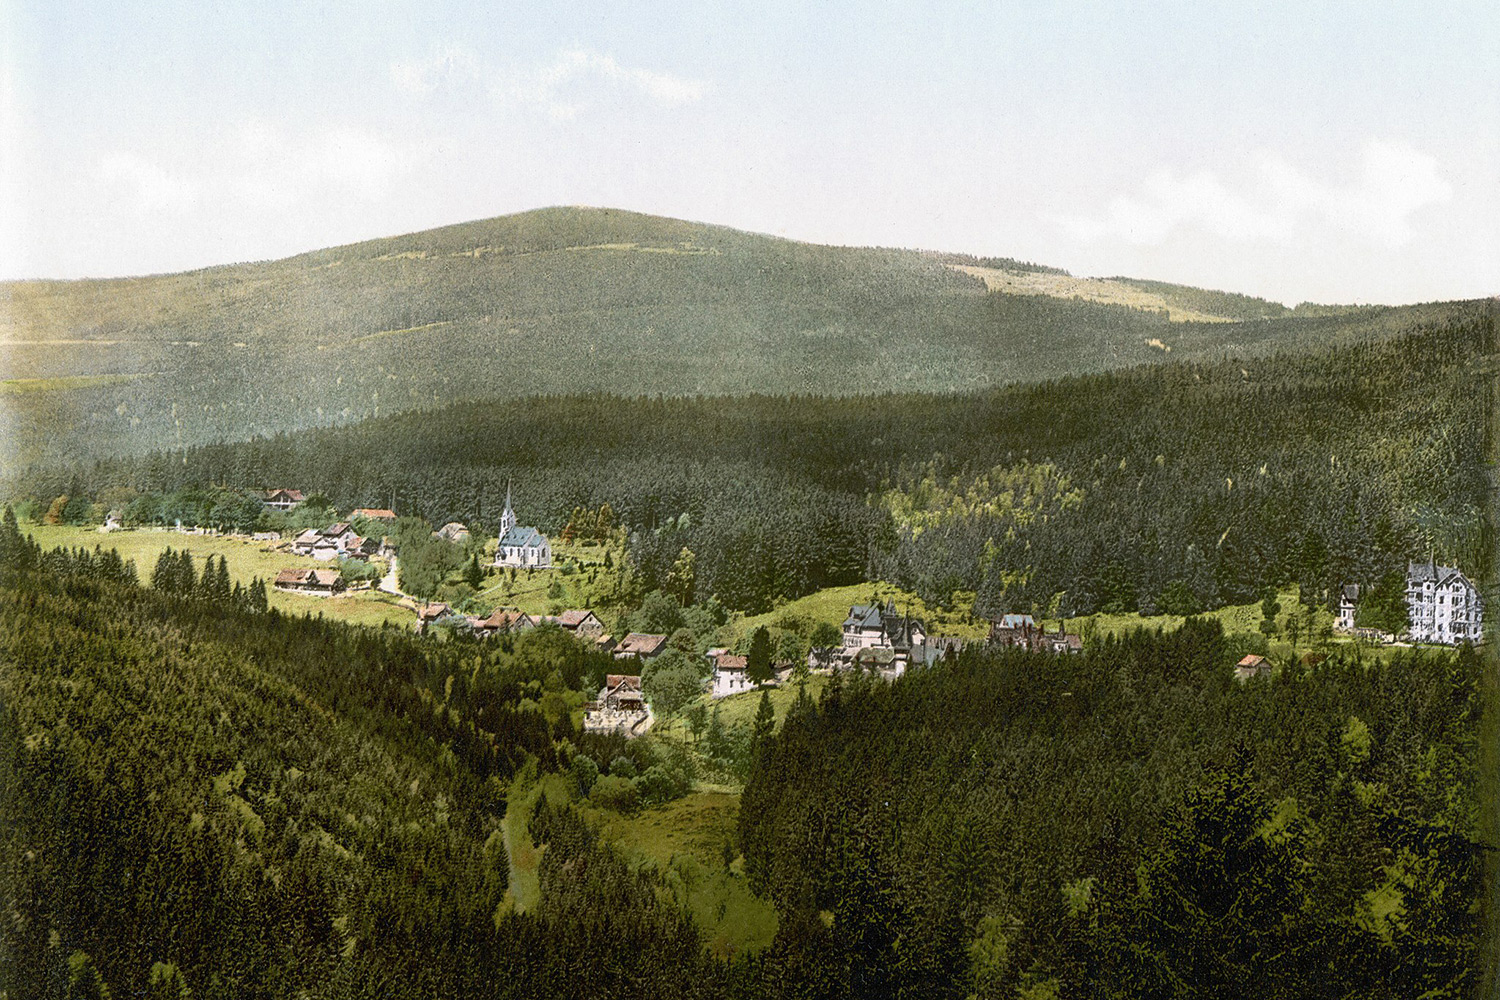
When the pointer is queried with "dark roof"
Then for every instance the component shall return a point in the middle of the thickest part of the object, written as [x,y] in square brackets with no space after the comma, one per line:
[613,681]
[1419,572]
[864,616]
[293,576]
[1351,591]
[519,537]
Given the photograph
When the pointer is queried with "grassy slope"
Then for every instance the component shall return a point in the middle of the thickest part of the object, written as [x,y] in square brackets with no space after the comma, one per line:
[686,840]
[559,300]
[247,560]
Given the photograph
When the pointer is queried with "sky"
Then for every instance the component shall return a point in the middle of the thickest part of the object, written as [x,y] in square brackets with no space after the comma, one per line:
[1308,151]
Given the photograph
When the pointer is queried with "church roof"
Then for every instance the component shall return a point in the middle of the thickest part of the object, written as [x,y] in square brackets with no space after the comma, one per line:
[520,537]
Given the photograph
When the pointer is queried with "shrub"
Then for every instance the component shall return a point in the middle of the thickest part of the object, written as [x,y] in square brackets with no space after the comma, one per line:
[615,792]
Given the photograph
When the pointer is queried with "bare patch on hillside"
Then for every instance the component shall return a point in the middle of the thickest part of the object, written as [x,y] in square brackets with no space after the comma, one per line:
[1062,286]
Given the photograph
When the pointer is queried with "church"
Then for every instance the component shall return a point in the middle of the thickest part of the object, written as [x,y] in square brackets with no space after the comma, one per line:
[526,547]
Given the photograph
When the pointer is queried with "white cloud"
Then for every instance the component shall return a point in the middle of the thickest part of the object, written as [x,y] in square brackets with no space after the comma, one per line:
[149,188]
[450,66]
[260,168]
[563,88]
[1280,204]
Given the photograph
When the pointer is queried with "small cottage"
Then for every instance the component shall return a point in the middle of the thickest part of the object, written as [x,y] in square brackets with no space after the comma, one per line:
[619,707]
[312,582]
[640,645]
[1251,666]
[730,675]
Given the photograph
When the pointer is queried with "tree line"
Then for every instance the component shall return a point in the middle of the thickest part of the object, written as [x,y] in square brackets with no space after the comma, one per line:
[1175,487]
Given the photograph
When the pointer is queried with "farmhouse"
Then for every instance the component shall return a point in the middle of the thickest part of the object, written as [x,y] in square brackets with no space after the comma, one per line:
[1251,666]
[1443,604]
[521,547]
[641,645]
[454,531]
[619,707]
[729,673]
[314,582]
[502,620]
[282,499]
[584,624]
[327,543]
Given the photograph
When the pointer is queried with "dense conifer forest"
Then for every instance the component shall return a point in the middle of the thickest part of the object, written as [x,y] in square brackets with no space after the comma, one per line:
[1175,487]
[1127,823]
[204,798]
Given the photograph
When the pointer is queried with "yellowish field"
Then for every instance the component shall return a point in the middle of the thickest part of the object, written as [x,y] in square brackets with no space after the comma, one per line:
[246,560]
[1062,286]
[17,386]
[686,840]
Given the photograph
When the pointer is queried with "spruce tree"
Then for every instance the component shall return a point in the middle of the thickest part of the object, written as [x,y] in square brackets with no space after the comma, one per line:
[758,662]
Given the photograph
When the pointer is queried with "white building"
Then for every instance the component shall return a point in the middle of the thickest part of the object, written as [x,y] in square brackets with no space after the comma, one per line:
[730,675]
[1348,605]
[522,547]
[1443,604]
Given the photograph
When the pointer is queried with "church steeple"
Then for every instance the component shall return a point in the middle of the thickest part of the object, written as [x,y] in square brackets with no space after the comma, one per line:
[507,516]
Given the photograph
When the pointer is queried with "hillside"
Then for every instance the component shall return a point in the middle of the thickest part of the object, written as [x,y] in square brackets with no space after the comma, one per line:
[1172,487]
[557,301]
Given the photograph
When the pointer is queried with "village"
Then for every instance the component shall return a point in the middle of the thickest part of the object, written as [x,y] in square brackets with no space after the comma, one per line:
[360,554]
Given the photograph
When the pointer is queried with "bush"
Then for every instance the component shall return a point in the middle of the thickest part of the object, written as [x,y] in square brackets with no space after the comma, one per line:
[615,792]
[661,783]
[622,767]
[585,772]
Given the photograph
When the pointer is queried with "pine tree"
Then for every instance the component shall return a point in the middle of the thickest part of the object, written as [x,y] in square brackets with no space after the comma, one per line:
[765,723]
[758,662]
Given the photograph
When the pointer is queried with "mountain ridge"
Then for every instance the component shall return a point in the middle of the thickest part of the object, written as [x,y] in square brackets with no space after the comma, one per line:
[558,301]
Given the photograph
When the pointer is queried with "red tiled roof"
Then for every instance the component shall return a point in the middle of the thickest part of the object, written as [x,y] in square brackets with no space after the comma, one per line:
[435,610]
[1251,660]
[728,661]
[572,619]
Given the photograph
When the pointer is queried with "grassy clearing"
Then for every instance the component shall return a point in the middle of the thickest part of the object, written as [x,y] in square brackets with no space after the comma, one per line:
[246,560]
[17,386]
[686,840]
[524,888]
[832,605]
[530,590]
[1062,286]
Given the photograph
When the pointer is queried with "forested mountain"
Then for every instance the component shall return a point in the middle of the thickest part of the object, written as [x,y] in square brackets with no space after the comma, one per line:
[209,800]
[1128,823]
[1177,487]
[557,301]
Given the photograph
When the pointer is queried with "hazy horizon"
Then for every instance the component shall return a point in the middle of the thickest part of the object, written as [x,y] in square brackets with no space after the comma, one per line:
[1297,152]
